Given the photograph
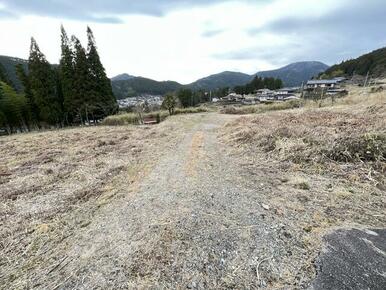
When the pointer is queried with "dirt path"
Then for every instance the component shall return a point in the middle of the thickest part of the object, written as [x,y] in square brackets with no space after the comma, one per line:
[191,222]
[193,215]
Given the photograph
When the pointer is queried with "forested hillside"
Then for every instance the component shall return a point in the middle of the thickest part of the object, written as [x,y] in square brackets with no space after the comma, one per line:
[8,70]
[295,74]
[217,81]
[139,85]
[75,91]
[373,63]
[259,83]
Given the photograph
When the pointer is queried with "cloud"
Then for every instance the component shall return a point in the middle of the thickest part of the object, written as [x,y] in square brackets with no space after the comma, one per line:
[87,9]
[344,32]
[212,32]
[277,54]
[6,14]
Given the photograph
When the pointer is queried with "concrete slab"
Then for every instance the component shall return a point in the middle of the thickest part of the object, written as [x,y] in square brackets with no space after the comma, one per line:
[352,259]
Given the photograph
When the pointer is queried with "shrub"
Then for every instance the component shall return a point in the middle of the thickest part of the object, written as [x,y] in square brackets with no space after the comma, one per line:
[262,108]
[191,110]
[368,147]
[133,118]
[122,119]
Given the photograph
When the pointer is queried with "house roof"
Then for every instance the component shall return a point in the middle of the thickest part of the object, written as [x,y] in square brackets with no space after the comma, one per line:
[340,79]
[289,89]
[322,82]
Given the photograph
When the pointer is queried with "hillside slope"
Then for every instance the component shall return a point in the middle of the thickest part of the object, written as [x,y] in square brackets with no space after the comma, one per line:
[373,62]
[221,80]
[8,63]
[296,73]
[140,85]
[122,77]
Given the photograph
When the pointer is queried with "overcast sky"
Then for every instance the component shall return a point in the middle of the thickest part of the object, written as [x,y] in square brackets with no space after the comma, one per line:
[184,40]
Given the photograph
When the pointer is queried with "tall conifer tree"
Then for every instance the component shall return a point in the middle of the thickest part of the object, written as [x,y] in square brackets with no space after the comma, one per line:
[81,82]
[23,77]
[42,82]
[103,100]
[66,76]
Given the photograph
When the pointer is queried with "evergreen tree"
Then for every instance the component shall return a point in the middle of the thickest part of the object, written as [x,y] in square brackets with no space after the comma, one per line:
[102,101]
[42,82]
[3,76]
[34,112]
[169,103]
[14,110]
[81,83]
[66,77]
[187,98]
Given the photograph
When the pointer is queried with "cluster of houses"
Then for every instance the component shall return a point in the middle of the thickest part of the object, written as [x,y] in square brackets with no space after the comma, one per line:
[329,87]
[149,100]
[265,95]
[326,87]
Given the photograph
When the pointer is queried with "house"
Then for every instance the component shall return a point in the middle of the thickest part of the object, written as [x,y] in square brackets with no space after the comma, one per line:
[250,99]
[264,92]
[314,84]
[291,91]
[291,97]
[333,92]
[340,79]
[233,97]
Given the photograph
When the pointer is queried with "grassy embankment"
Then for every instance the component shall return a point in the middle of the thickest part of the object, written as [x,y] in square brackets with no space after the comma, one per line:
[134,119]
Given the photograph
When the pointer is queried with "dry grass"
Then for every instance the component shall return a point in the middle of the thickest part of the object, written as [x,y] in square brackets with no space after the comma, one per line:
[133,118]
[319,138]
[262,108]
[326,167]
[53,183]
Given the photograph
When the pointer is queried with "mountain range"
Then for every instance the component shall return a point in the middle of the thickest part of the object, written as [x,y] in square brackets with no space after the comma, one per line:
[294,74]
[126,85]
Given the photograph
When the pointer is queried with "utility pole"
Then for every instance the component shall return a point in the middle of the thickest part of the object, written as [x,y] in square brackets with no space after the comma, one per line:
[302,91]
[367,77]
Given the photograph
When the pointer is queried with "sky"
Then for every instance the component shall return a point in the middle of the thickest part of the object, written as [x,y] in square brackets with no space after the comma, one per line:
[184,40]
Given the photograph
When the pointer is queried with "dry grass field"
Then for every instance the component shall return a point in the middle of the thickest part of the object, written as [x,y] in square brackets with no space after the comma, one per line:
[53,183]
[325,167]
[200,201]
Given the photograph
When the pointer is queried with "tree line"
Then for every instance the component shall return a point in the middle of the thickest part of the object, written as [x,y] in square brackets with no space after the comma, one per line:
[77,91]
[259,83]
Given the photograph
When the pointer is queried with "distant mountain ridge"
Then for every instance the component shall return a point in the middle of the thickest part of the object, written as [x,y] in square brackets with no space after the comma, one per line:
[122,77]
[125,85]
[221,80]
[296,73]
[292,75]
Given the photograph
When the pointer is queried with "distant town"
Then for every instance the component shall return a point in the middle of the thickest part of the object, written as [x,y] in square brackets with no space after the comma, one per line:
[327,87]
